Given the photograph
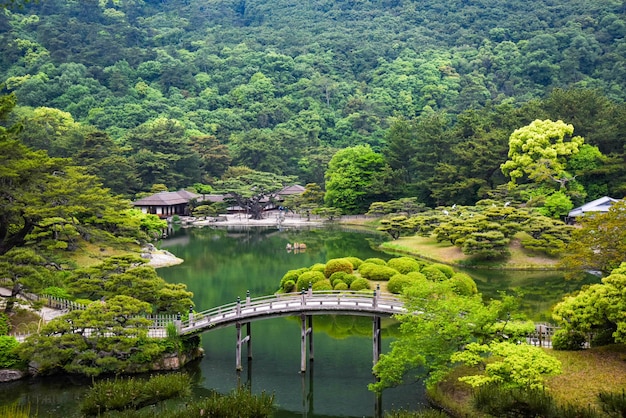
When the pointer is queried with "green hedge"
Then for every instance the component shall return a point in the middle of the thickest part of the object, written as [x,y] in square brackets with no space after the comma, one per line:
[405,264]
[376,260]
[377,272]
[360,284]
[355,261]
[292,275]
[309,277]
[463,284]
[433,274]
[338,265]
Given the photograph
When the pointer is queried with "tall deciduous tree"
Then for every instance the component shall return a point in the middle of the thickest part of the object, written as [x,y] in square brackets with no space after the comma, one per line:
[540,150]
[356,177]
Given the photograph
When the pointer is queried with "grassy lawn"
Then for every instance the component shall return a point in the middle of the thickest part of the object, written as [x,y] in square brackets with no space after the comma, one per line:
[429,248]
[585,374]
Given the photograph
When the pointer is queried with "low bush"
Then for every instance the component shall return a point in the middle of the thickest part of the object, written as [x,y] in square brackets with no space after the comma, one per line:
[340,286]
[445,269]
[348,279]
[322,285]
[376,260]
[338,265]
[336,282]
[355,261]
[240,403]
[339,275]
[318,267]
[398,282]
[405,264]
[500,401]
[292,275]
[613,404]
[379,273]
[568,340]
[433,274]
[289,286]
[360,284]
[463,284]
[130,394]
[309,277]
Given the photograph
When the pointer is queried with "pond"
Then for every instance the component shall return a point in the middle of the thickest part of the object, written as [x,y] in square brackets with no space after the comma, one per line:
[224,263]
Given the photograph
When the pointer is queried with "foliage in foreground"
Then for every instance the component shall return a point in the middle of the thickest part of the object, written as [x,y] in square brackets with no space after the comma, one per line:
[421,414]
[500,401]
[509,365]
[15,411]
[597,309]
[134,393]
[239,403]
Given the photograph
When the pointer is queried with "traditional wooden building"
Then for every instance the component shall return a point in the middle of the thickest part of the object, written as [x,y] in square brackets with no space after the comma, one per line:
[601,205]
[166,204]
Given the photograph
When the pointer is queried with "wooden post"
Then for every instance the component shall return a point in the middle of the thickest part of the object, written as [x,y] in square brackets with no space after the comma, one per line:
[240,341]
[303,337]
[310,330]
[376,343]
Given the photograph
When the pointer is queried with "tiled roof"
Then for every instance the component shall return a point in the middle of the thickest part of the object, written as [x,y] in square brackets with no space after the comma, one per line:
[599,205]
[167,198]
[289,190]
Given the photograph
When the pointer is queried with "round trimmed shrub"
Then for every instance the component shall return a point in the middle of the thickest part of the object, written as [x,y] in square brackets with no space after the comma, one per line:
[349,278]
[335,282]
[337,265]
[568,340]
[360,284]
[445,269]
[463,284]
[318,267]
[337,275]
[289,286]
[375,260]
[292,275]
[341,286]
[398,282]
[379,273]
[309,277]
[355,261]
[322,285]
[433,274]
[405,264]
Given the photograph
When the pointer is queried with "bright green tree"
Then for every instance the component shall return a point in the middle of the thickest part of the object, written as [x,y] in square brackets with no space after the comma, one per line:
[445,323]
[598,309]
[539,152]
[355,178]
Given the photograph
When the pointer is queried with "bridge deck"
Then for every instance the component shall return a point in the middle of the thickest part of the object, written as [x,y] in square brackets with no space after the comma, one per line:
[308,303]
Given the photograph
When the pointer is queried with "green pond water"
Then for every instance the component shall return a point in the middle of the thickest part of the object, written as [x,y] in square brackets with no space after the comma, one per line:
[222,264]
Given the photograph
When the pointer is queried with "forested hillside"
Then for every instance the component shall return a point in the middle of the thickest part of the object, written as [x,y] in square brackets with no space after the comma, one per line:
[175,92]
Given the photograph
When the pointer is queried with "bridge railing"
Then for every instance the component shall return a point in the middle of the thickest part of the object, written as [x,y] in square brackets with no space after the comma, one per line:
[308,298]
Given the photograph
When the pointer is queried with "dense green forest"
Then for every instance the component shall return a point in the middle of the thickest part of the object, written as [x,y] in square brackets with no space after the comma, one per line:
[174,92]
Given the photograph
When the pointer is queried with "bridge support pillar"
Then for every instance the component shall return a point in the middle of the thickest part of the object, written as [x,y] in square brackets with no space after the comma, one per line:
[240,341]
[306,331]
[376,339]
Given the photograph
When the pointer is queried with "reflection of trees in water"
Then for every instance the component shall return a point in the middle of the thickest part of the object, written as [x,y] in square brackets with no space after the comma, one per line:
[343,326]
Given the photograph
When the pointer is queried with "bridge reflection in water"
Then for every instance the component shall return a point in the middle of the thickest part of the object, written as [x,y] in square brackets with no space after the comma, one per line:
[306,304]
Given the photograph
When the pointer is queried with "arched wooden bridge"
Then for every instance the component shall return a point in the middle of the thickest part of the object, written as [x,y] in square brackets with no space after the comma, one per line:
[304,304]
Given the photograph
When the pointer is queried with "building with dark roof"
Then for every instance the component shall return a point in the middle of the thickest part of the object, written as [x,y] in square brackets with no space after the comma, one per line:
[166,204]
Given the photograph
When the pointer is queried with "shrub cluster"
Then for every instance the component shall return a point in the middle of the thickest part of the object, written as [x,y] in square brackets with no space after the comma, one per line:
[8,356]
[338,265]
[309,277]
[405,264]
[376,272]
